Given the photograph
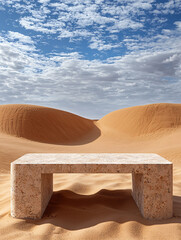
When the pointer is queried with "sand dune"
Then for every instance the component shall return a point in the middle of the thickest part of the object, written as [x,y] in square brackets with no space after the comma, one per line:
[143,120]
[86,206]
[43,124]
[54,126]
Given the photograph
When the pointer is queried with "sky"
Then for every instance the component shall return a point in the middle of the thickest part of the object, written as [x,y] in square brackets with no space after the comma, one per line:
[90,57]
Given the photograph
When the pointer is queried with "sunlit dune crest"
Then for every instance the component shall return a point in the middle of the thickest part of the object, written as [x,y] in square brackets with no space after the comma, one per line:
[142,120]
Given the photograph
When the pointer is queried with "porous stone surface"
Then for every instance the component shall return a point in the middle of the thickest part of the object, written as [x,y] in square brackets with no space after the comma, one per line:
[32,180]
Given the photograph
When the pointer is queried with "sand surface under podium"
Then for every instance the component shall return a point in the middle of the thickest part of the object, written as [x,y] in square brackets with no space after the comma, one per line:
[90,206]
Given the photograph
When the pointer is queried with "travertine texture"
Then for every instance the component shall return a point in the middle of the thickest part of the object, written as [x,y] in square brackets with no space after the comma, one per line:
[32,180]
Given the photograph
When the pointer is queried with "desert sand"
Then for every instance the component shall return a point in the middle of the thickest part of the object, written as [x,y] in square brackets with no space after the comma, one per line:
[90,206]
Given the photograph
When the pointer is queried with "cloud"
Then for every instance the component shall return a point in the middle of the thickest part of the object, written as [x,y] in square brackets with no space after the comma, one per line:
[68,81]
[124,24]
[178,24]
[145,69]
[168,7]
[82,20]
[96,43]
[20,37]
[35,24]
[72,19]
[44,1]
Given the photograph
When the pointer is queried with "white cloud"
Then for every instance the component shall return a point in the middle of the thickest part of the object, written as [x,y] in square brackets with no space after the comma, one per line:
[44,1]
[168,7]
[68,81]
[79,20]
[124,24]
[35,24]
[150,70]
[178,24]
[21,37]
[74,17]
[142,4]
[96,43]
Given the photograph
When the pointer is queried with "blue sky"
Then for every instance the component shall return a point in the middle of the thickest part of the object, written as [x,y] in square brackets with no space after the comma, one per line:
[90,57]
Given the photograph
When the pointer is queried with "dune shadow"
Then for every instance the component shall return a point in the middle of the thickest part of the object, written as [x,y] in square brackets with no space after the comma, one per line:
[88,137]
[177,206]
[84,138]
[73,211]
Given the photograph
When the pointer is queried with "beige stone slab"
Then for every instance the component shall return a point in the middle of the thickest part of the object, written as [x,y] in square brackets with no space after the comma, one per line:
[90,158]
[32,179]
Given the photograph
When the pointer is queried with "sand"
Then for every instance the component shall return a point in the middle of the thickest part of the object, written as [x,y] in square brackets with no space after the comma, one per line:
[90,206]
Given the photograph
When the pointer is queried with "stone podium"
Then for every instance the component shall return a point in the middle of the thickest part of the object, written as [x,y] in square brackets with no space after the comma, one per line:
[32,180]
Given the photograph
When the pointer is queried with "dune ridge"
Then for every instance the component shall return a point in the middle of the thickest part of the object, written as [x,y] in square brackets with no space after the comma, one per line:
[43,124]
[55,126]
[143,120]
